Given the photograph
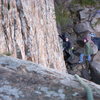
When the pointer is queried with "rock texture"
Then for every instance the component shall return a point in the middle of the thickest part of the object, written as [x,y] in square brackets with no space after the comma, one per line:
[24,80]
[82,27]
[95,71]
[28,31]
[96,21]
[95,68]
[89,20]
[85,20]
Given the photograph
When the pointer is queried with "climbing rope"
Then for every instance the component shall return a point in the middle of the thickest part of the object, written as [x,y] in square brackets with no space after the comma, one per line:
[86,87]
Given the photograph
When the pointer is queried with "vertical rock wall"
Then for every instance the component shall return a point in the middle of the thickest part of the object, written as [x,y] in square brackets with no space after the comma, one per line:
[28,31]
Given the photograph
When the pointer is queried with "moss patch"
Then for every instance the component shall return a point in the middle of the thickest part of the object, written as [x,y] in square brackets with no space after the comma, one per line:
[85,2]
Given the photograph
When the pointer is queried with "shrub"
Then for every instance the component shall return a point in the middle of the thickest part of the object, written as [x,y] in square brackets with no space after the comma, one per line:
[84,2]
[62,14]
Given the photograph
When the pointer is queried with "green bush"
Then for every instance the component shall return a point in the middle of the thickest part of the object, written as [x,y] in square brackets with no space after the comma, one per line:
[84,2]
[62,15]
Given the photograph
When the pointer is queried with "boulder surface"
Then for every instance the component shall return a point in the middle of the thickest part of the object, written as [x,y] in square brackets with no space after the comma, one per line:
[24,80]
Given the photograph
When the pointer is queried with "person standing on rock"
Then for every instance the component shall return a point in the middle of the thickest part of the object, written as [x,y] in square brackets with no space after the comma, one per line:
[66,44]
[87,51]
[94,47]
[68,48]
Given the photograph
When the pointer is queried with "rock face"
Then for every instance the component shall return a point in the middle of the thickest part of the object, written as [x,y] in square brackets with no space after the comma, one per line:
[96,21]
[82,27]
[28,31]
[24,80]
[89,20]
[95,72]
[95,68]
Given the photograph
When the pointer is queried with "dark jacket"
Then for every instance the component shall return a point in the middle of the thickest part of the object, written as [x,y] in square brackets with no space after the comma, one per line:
[66,45]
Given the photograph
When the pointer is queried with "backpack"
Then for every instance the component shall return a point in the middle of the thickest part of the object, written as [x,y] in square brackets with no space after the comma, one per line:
[94,48]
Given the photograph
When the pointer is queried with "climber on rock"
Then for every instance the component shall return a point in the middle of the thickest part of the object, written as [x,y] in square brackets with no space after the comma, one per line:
[68,48]
[87,51]
[90,37]
[67,44]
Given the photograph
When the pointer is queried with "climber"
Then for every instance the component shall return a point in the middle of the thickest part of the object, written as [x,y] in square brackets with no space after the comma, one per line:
[68,49]
[67,44]
[90,37]
[87,51]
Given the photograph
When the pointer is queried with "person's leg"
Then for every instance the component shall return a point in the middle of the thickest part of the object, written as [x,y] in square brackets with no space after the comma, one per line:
[81,58]
[89,57]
